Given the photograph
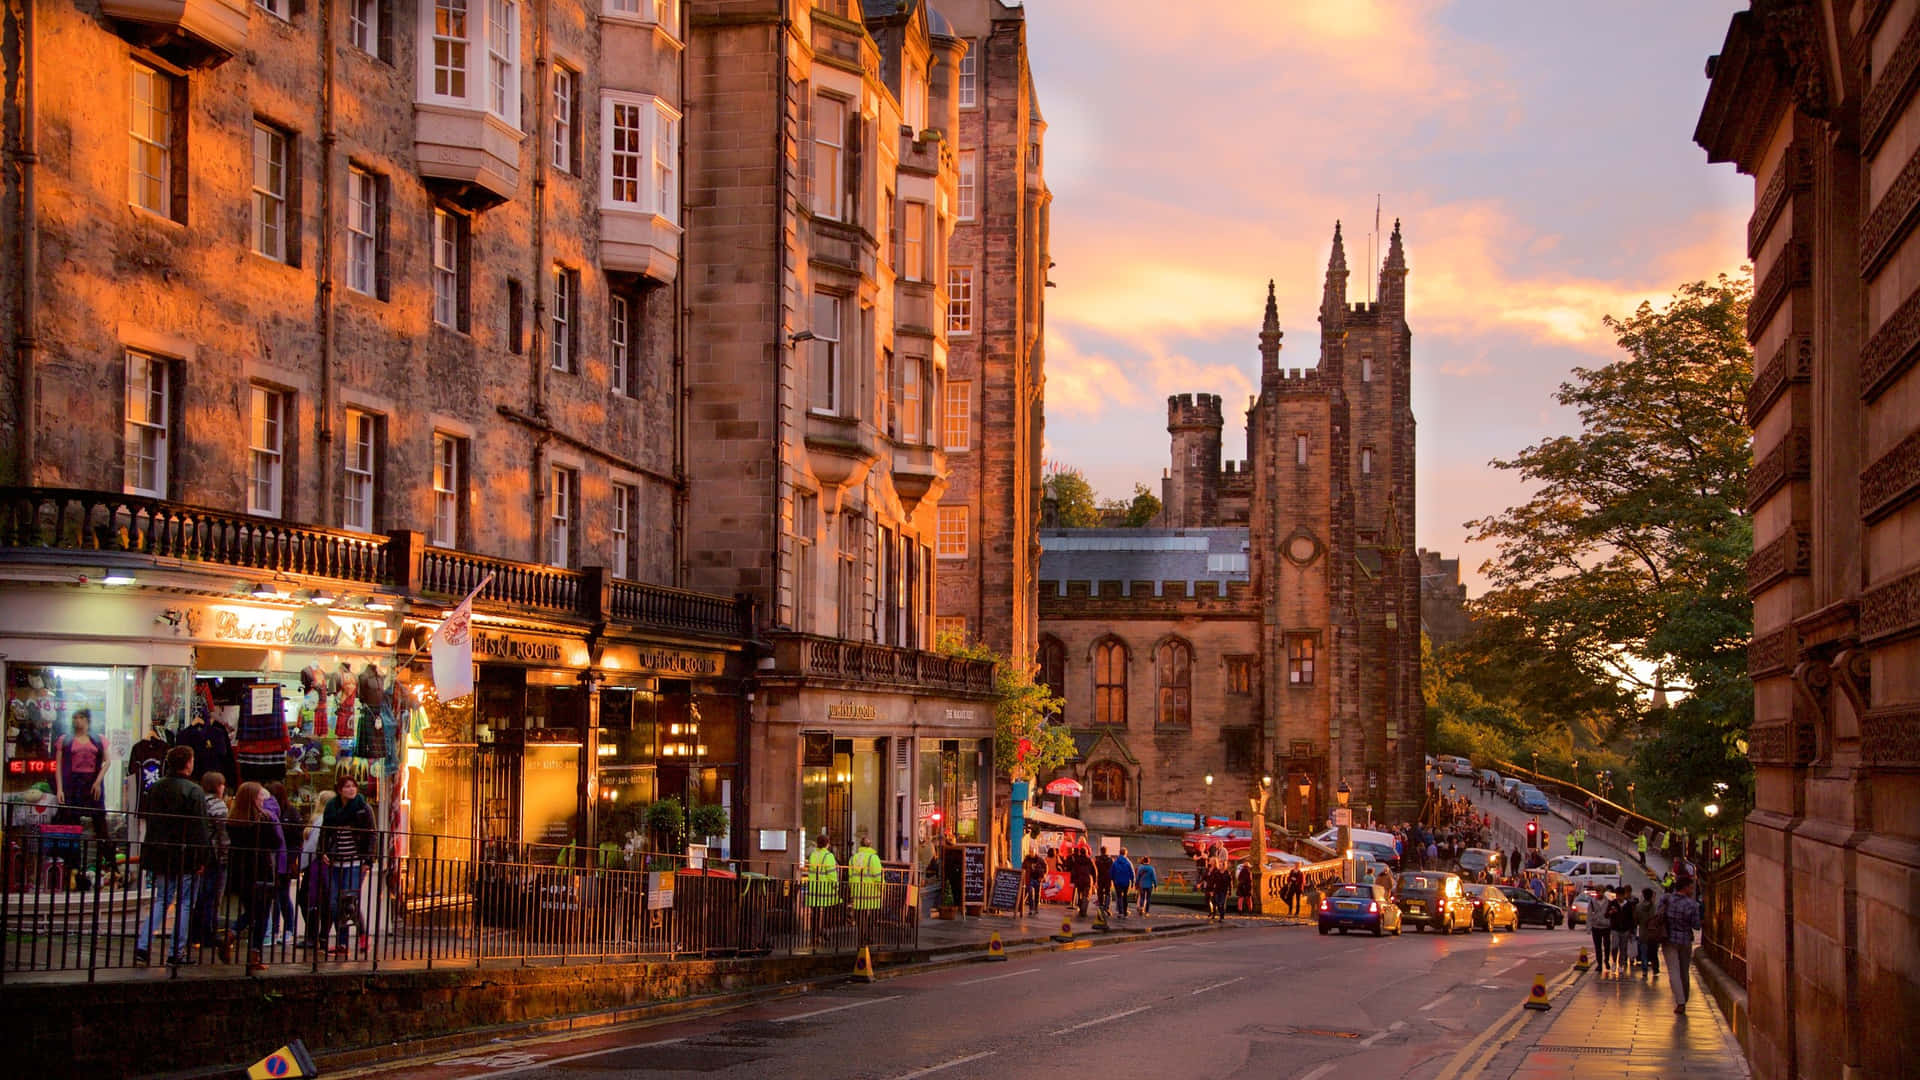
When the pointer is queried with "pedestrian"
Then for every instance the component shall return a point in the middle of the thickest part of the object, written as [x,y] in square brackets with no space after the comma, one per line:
[866,880]
[823,887]
[1215,883]
[1122,875]
[174,812]
[1243,886]
[256,847]
[1620,917]
[1580,841]
[1679,917]
[1080,873]
[1649,948]
[1033,871]
[207,928]
[316,879]
[347,838]
[1602,929]
[1640,846]
[1103,880]
[282,925]
[1147,881]
[1295,888]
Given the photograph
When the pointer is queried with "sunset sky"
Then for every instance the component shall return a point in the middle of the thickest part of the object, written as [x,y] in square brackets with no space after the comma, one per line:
[1538,154]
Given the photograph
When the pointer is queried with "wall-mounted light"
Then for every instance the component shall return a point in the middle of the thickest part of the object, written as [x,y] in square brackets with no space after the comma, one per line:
[117,577]
[264,590]
[378,603]
[322,598]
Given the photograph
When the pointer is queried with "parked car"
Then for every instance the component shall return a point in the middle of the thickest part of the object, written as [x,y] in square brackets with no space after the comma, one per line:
[1435,900]
[1199,843]
[1476,861]
[1360,907]
[1507,784]
[1529,910]
[1372,843]
[1577,911]
[1585,871]
[1454,765]
[1491,908]
[1533,801]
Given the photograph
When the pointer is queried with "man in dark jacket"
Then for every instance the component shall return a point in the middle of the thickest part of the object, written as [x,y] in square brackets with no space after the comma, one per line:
[1103,879]
[174,810]
[1033,871]
[1080,872]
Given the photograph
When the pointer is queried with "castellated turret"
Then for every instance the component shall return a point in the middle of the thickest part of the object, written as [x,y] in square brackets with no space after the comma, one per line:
[1193,491]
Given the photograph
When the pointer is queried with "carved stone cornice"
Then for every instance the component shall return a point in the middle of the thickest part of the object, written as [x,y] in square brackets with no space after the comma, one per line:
[1890,737]
[1892,481]
[1794,29]
[1837,624]
[1772,654]
[1790,459]
[1892,86]
[1891,609]
[1891,219]
[1788,555]
[1792,362]
[1791,744]
[1794,266]
[1794,174]
[1892,348]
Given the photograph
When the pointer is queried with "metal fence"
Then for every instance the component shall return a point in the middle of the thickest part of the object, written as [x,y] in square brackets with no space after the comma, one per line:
[73,905]
[1723,917]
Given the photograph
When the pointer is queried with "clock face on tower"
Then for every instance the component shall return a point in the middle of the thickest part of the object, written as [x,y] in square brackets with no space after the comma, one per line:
[1301,548]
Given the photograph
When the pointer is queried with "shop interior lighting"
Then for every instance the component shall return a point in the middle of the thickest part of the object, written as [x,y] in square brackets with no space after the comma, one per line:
[264,590]
[377,603]
[322,598]
[116,577]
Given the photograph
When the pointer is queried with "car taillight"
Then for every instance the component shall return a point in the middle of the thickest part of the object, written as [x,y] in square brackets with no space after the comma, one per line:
[1373,908]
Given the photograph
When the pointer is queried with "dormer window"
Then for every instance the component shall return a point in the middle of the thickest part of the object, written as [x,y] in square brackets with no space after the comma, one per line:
[462,33]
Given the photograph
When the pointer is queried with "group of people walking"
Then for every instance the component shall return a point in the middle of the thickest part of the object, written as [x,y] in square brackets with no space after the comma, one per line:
[1633,933]
[1107,881]
[199,849]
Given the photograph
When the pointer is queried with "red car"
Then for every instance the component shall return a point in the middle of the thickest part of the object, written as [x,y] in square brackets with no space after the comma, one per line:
[1237,839]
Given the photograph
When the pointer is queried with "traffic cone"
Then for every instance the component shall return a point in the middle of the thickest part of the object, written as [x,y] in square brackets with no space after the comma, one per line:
[995,950]
[863,966]
[1582,964]
[1538,999]
[290,1062]
[1066,931]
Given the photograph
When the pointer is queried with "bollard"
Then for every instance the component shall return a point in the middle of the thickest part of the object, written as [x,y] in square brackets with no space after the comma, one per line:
[1066,931]
[1537,1000]
[996,950]
[1582,964]
[863,966]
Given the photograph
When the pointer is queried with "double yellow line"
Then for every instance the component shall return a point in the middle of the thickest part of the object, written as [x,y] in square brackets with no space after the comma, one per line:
[1473,1057]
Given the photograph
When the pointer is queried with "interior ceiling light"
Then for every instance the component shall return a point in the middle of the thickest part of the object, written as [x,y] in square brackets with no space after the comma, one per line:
[378,603]
[322,598]
[263,591]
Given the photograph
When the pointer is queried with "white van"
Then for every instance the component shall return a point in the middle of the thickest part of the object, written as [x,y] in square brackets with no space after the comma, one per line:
[1585,872]
[1453,765]
[1372,843]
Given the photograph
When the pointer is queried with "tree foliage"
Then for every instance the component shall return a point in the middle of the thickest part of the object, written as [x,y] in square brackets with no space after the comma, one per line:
[1073,495]
[1027,743]
[1138,511]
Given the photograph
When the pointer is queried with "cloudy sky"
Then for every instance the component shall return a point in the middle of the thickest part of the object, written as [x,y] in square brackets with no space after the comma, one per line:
[1538,153]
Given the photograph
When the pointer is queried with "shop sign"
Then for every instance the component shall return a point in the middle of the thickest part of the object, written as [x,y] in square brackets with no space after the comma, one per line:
[518,649]
[676,662]
[286,630]
[965,716]
[849,710]
[1165,819]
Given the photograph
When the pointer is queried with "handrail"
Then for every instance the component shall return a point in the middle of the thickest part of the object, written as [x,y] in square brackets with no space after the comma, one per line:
[543,588]
[813,656]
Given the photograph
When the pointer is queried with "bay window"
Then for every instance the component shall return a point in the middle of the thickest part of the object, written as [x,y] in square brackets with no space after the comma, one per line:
[640,154]
[458,36]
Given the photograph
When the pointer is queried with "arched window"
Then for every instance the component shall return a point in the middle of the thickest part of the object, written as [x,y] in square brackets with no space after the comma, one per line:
[1108,783]
[1053,665]
[1110,683]
[1174,666]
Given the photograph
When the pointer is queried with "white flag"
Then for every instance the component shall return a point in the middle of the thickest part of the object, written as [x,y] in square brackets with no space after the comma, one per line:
[453,650]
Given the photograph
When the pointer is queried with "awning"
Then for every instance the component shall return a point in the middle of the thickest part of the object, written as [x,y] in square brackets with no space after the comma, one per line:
[1058,821]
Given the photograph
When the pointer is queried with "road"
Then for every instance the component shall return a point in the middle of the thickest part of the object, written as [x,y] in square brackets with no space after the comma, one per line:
[1255,1000]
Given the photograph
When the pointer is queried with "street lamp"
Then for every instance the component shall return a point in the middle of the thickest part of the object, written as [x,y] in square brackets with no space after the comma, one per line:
[1713,812]
[1305,786]
[1630,786]
[1536,763]
[1573,772]
[1344,819]
[1209,800]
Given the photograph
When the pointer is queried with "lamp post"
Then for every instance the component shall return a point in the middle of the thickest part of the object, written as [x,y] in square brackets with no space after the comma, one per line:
[1713,813]
[1343,818]
[1536,763]
[1573,772]
[1258,803]
[1630,786]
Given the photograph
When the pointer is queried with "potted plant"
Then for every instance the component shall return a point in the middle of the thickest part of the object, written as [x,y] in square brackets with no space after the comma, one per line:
[666,820]
[706,820]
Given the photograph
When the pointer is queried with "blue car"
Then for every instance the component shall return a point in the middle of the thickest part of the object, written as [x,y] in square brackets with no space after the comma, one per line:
[1360,907]
[1532,801]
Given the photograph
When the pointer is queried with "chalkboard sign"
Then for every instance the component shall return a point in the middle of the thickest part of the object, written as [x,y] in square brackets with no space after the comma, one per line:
[973,873]
[1006,891]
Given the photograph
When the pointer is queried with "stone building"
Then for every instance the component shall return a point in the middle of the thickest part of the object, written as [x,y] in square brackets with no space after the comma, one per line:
[822,190]
[1443,599]
[991,415]
[1293,649]
[1816,101]
[318,315]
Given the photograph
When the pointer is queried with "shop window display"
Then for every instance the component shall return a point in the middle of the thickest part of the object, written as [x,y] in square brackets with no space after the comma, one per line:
[70,730]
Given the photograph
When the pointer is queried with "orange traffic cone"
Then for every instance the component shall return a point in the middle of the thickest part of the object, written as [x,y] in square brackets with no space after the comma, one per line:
[1582,964]
[1066,931]
[995,950]
[863,966]
[1538,999]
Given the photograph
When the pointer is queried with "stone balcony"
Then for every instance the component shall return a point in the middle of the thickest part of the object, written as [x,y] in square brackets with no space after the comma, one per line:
[808,659]
[469,154]
[191,33]
[841,450]
[638,242]
[919,473]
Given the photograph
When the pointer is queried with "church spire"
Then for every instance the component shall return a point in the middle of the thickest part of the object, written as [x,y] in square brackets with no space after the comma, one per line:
[1333,301]
[1270,336]
[1393,276]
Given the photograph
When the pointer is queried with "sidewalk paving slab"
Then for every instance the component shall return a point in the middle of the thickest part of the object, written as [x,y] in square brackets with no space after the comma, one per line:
[1624,1025]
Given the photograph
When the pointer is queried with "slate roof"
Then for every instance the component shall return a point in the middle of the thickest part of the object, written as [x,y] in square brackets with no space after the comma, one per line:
[1210,555]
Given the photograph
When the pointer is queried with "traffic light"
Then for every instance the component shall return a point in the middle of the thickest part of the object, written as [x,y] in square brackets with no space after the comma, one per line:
[1533,836]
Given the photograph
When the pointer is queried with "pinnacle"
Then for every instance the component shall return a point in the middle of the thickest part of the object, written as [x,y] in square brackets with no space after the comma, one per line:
[1396,255]
[1337,263]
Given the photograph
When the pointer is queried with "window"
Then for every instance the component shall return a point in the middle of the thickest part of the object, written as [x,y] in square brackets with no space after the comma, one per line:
[640,154]
[824,376]
[449,468]
[663,13]
[1107,782]
[566,312]
[503,59]
[912,420]
[270,185]
[562,486]
[457,37]
[957,423]
[566,119]
[967,197]
[1366,460]
[960,300]
[914,88]
[953,532]
[1239,674]
[806,527]
[266,452]
[626,504]
[969,76]
[365,22]
[913,241]
[950,627]
[1173,666]
[149,424]
[829,156]
[357,490]
[620,344]
[851,583]
[1300,449]
[449,268]
[1052,663]
[365,205]
[276,8]
[451,40]
[1299,660]
[157,131]
[1366,367]
[1110,683]
[516,316]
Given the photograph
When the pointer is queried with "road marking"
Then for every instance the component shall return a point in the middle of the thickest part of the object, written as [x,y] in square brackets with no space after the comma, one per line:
[549,1063]
[1102,1020]
[1216,986]
[1319,1072]
[1163,948]
[944,1065]
[1092,960]
[997,978]
[1435,1003]
[1513,966]
[835,1009]
[1378,1035]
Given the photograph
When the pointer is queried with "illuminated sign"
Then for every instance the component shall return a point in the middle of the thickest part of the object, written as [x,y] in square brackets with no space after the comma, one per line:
[30,768]
[519,650]
[284,629]
[847,710]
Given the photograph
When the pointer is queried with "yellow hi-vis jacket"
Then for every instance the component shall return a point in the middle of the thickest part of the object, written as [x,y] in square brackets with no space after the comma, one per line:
[823,879]
[1640,842]
[865,878]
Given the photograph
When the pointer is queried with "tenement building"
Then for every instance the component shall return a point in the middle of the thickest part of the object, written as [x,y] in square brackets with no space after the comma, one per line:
[1816,101]
[822,190]
[986,557]
[1271,627]
[317,318]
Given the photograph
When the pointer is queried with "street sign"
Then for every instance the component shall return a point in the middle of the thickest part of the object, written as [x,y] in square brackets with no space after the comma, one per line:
[1343,817]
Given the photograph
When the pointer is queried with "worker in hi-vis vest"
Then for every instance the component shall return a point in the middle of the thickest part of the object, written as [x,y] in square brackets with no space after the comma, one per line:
[865,881]
[823,883]
[1640,846]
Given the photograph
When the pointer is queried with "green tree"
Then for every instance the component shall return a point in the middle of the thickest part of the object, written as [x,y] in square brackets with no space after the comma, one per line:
[1027,744]
[1142,508]
[1078,509]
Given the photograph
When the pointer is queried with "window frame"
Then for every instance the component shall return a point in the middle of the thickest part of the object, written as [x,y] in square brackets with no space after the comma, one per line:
[449,240]
[354,472]
[1366,367]
[652,181]
[273,208]
[566,119]
[1111,659]
[1366,461]
[563,320]
[279,9]
[913,398]
[368,22]
[1107,774]
[915,264]
[1302,448]
[1173,684]
[1240,674]
[1302,659]
[448,483]
[966,172]
[620,343]
[134,432]
[953,531]
[958,392]
[496,87]
[969,90]
[563,492]
[370,204]
[959,301]
[267,420]
[826,366]
[169,181]
[1050,661]
[828,163]
[624,510]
